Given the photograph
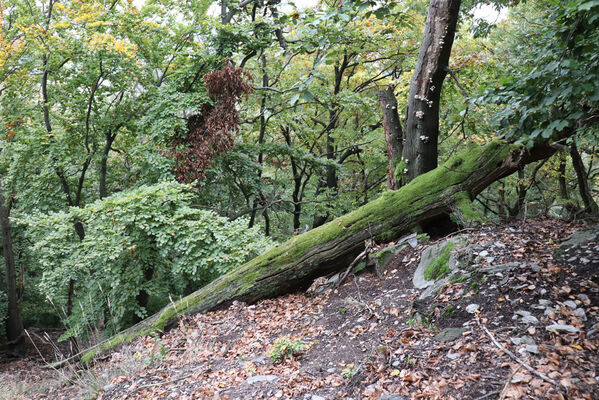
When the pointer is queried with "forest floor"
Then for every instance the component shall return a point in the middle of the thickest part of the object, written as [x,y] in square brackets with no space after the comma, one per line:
[371,338]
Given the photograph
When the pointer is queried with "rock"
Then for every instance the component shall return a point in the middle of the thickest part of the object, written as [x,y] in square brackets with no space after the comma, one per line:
[544,302]
[472,308]
[392,397]
[449,334]
[535,267]
[483,253]
[316,397]
[530,320]
[261,378]
[581,237]
[452,356]
[433,253]
[570,303]
[562,328]
[523,313]
[108,388]
[500,268]
[532,348]
[579,312]
[523,340]
[562,209]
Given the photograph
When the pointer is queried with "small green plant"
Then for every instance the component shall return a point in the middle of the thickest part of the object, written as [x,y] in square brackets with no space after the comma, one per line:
[349,371]
[424,322]
[285,347]
[448,312]
[342,310]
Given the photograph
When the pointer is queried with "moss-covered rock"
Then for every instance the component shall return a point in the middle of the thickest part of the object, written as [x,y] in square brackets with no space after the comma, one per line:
[439,268]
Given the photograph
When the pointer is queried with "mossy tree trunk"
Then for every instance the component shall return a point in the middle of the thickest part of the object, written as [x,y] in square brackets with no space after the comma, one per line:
[422,204]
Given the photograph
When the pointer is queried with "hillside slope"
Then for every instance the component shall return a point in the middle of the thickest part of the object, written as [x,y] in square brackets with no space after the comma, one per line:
[372,338]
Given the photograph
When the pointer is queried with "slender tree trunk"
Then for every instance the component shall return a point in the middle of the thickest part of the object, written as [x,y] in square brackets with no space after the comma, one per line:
[583,183]
[14,322]
[104,163]
[563,186]
[393,133]
[422,125]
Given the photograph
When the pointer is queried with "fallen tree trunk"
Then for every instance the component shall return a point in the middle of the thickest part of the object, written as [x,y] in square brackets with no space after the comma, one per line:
[420,205]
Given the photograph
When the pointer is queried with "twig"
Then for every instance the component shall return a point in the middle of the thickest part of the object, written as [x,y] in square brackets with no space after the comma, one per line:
[360,297]
[507,383]
[487,395]
[360,256]
[515,358]
[179,378]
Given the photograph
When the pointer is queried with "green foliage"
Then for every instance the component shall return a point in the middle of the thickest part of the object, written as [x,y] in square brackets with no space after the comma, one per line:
[285,347]
[439,267]
[553,68]
[148,240]
[349,371]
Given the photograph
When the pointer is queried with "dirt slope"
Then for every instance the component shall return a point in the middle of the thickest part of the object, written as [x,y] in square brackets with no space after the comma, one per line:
[371,337]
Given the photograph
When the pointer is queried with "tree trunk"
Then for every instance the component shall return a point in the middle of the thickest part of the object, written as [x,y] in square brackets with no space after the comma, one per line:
[393,133]
[14,322]
[422,124]
[563,186]
[424,203]
[583,183]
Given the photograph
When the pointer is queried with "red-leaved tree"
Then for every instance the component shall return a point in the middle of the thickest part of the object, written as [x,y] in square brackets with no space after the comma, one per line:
[210,131]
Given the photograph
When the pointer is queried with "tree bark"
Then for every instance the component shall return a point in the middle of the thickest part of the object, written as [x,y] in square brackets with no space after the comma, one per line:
[14,322]
[422,124]
[583,182]
[393,133]
[425,202]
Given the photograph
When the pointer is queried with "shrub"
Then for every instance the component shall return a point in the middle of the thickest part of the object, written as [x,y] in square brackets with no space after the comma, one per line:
[141,243]
[285,347]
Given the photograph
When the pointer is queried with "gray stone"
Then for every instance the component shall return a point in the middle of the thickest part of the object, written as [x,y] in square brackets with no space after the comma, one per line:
[483,253]
[562,328]
[549,310]
[500,268]
[449,334]
[523,313]
[452,356]
[108,388]
[579,312]
[544,302]
[261,378]
[578,238]
[532,348]
[432,253]
[530,320]
[535,267]
[522,340]
[570,303]
[471,308]
[392,397]
[316,397]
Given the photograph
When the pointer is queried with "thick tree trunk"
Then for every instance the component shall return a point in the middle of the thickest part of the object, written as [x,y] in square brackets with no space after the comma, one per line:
[583,182]
[14,322]
[393,133]
[422,124]
[424,203]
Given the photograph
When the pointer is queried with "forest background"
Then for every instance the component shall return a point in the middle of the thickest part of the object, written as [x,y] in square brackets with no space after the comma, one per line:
[148,148]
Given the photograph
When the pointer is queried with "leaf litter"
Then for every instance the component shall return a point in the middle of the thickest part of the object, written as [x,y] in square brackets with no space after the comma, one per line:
[372,336]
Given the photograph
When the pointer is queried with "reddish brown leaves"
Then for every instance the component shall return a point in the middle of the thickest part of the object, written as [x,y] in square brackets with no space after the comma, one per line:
[210,132]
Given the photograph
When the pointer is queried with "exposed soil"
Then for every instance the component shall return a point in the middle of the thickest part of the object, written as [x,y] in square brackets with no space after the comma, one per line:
[372,337]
